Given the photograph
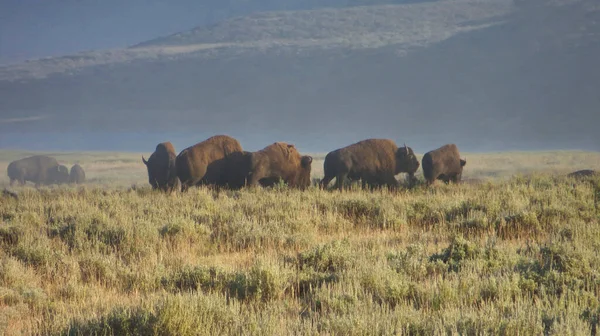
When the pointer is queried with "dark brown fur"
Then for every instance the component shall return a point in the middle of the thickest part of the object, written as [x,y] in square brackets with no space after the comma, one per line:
[205,162]
[34,169]
[280,161]
[162,172]
[374,161]
[76,175]
[443,164]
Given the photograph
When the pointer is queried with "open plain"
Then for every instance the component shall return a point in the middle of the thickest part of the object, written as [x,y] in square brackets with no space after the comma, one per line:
[517,252]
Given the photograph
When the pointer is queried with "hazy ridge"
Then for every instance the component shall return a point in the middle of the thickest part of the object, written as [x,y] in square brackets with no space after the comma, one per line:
[484,74]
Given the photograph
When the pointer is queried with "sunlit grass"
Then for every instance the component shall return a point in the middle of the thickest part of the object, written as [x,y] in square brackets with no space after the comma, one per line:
[509,256]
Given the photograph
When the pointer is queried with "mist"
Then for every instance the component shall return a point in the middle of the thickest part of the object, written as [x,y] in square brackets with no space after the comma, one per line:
[492,75]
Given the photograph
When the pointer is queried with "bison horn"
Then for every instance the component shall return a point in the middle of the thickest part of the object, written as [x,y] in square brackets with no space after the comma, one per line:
[406,148]
[144,161]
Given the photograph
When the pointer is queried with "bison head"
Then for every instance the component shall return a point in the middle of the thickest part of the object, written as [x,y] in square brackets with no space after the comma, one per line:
[303,177]
[58,174]
[158,173]
[406,161]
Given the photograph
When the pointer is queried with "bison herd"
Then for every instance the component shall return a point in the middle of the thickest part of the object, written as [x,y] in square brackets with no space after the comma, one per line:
[41,169]
[221,161]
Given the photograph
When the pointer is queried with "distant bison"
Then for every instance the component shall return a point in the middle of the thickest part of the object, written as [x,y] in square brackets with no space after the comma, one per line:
[58,175]
[162,171]
[374,161]
[583,173]
[443,164]
[35,169]
[204,163]
[76,175]
[280,161]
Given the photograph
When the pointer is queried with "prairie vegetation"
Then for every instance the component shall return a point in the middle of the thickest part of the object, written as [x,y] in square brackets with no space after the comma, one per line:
[513,255]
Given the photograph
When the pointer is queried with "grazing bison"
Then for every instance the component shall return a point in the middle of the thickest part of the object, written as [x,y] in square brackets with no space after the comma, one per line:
[58,175]
[76,175]
[280,161]
[34,169]
[583,173]
[443,164]
[162,172]
[374,161]
[205,162]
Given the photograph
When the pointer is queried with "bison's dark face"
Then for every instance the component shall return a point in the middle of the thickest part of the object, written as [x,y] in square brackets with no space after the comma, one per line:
[58,174]
[463,162]
[304,174]
[155,173]
[406,161]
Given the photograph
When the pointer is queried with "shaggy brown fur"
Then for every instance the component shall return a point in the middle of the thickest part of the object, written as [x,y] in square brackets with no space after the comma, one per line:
[280,161]
[374,161]
[76,175]
[205,162]
[443,164]
[34,169]
[162,172]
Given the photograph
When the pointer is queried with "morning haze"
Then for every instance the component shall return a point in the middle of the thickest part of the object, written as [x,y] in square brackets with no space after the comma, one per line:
[487,75]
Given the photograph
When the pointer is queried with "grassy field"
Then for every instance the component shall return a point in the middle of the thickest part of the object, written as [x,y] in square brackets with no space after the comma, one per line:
[517,254]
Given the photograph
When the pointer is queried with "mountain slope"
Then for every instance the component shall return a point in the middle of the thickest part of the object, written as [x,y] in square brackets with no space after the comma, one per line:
[526,81]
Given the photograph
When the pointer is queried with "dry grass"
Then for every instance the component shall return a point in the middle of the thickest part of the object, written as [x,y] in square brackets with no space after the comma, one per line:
[510,256]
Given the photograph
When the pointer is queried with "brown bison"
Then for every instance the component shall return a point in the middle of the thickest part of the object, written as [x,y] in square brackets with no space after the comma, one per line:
[205,162]
[374,161]
[443,164]
[35,169]
[162,172]
[279,161]
[76,175]
[583,173]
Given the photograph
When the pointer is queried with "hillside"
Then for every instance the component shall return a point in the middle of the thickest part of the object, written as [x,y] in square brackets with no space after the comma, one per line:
[485,74]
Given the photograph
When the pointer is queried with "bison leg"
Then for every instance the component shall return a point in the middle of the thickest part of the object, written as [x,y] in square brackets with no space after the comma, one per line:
[325,181]
[255,177]
[339,180]
[390,181]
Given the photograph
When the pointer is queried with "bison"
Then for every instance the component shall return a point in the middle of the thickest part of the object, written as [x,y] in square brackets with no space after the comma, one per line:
[35,169]
[204,163]
[583,173]
[76,175]
[162,172]
[279,161]
[374,161]
[443,164]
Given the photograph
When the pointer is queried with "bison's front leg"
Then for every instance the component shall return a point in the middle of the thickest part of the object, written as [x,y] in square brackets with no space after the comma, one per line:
[339,180]
[391,182]
[325,181]
[255,177]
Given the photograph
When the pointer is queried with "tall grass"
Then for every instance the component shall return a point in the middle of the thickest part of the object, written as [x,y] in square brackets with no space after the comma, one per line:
[514,256]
